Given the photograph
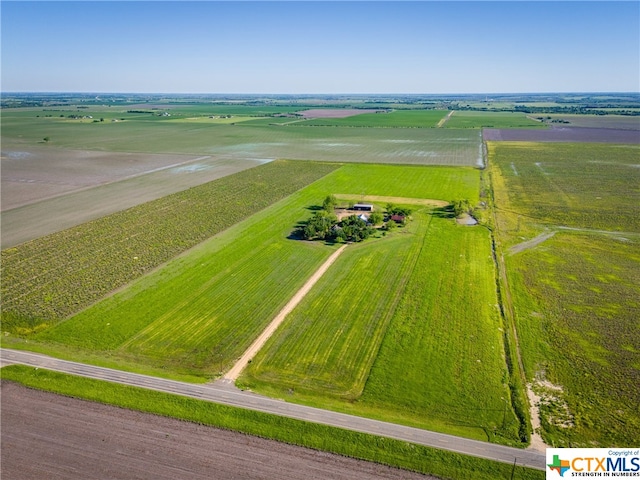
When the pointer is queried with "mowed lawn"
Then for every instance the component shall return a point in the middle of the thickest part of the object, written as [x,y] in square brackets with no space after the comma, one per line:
[575,294]
[407,331]
[198,313]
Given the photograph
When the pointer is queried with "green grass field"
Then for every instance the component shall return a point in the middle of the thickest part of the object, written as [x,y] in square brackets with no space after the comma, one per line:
[473,119]
[329,343]
[197,314]
[184,317]
[377,336]
[575,294]
[394,119]
[405,327]
[592,186]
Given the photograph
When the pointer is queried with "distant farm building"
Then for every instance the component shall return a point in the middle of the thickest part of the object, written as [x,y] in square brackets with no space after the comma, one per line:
[363,207]
[398,218]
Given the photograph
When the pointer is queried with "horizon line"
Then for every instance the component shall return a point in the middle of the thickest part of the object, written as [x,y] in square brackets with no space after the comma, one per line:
[106,92]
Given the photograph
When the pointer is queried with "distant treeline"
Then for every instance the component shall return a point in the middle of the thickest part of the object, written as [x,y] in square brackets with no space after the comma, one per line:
[575,109]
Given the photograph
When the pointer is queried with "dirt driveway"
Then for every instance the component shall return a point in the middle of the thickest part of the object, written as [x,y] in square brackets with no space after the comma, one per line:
[54,437]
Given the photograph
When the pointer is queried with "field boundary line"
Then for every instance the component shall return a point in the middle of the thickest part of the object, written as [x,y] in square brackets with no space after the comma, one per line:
[236,370]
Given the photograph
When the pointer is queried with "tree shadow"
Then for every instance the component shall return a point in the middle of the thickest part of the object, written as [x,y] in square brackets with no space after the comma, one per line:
[297,233]
[444,212]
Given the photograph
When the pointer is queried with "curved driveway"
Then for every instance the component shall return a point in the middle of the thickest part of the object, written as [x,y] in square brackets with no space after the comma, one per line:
[226,393]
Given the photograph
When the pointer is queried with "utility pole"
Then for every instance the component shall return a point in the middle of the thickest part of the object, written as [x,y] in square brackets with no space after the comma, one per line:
[513,470]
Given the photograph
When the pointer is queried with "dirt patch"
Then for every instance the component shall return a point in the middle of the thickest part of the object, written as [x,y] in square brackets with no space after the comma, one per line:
[561,134]
[50,436]
[428,202]
[466,219]
[521,247]
[334,112]
[536,439]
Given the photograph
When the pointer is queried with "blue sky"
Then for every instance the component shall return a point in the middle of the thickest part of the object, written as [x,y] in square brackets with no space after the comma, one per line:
[320,47]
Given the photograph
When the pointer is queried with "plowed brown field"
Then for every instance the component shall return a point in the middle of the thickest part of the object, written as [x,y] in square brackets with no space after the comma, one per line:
[54,437]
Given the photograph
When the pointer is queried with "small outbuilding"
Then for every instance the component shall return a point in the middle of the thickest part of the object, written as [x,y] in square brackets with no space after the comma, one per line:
[363,207]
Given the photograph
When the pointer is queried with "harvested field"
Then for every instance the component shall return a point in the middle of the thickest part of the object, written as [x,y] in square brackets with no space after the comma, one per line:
[562,134]
[40,441]
[72,208]
[37,173]
[617,122]
[334,112]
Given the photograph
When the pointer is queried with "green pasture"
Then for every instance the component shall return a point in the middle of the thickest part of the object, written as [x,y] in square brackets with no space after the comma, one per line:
[442,360]
[592,186]
[405,329]
[473,119]
[199,312]
[249,139]
[575,294]
[396,118]
[437,182]
[202,310]
[296,432]
[217,120]
[329,342]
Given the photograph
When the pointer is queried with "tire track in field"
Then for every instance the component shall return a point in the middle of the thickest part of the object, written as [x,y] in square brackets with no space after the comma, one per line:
[235,371]
[444,120]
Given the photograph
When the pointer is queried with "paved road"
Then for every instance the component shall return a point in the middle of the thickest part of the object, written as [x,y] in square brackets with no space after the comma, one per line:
[226,393]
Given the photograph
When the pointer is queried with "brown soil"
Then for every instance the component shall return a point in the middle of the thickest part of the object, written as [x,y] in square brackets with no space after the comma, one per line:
[386,199]
[38,173]
[45,190]
[54,437]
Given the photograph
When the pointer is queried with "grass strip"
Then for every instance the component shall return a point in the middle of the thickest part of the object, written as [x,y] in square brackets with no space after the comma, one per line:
[321,437]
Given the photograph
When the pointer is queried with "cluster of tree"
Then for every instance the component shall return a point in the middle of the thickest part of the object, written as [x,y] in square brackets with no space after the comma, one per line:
[325,226]
[396,210]
[461,207]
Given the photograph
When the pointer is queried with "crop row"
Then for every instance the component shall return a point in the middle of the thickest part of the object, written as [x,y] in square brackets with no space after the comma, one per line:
[57,275]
